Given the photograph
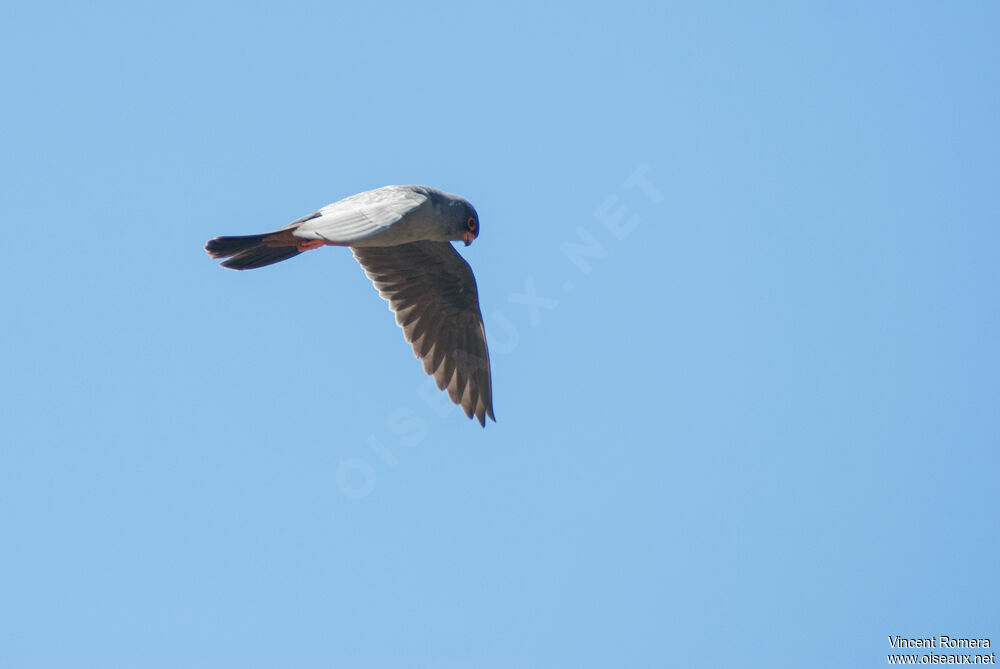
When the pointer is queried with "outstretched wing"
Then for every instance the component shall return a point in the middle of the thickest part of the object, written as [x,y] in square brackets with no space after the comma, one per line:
[433,292]
[359,216]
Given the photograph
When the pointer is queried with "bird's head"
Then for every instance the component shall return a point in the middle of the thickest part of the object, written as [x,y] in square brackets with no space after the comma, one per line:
[458,216]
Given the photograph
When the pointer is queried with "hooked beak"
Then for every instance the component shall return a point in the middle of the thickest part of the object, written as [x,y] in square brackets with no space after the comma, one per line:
[467,237]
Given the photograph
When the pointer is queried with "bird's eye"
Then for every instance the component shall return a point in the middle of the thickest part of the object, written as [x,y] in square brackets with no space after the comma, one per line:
[471,223]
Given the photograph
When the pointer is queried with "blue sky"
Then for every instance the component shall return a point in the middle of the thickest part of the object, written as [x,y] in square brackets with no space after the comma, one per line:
[754,426]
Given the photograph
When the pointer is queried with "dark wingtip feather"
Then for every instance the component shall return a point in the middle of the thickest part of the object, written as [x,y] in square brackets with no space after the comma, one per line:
[481,417]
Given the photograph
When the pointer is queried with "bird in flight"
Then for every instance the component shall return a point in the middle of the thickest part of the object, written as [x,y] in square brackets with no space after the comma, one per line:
[401,236]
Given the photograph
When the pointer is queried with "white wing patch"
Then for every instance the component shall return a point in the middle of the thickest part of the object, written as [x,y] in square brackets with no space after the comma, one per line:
[359,216]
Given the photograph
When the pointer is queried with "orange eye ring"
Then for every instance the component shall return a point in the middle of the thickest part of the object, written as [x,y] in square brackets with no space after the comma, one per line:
[471,223]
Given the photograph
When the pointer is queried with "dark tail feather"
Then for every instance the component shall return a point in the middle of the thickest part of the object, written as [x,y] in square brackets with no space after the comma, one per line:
[249,251]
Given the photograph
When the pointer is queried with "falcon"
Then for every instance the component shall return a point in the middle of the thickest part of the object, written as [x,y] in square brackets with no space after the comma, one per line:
[401,236]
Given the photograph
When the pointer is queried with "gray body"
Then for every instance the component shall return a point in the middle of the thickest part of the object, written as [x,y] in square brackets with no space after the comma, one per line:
[389,216]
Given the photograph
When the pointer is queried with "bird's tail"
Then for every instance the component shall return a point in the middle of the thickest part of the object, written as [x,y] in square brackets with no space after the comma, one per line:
[253,251]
